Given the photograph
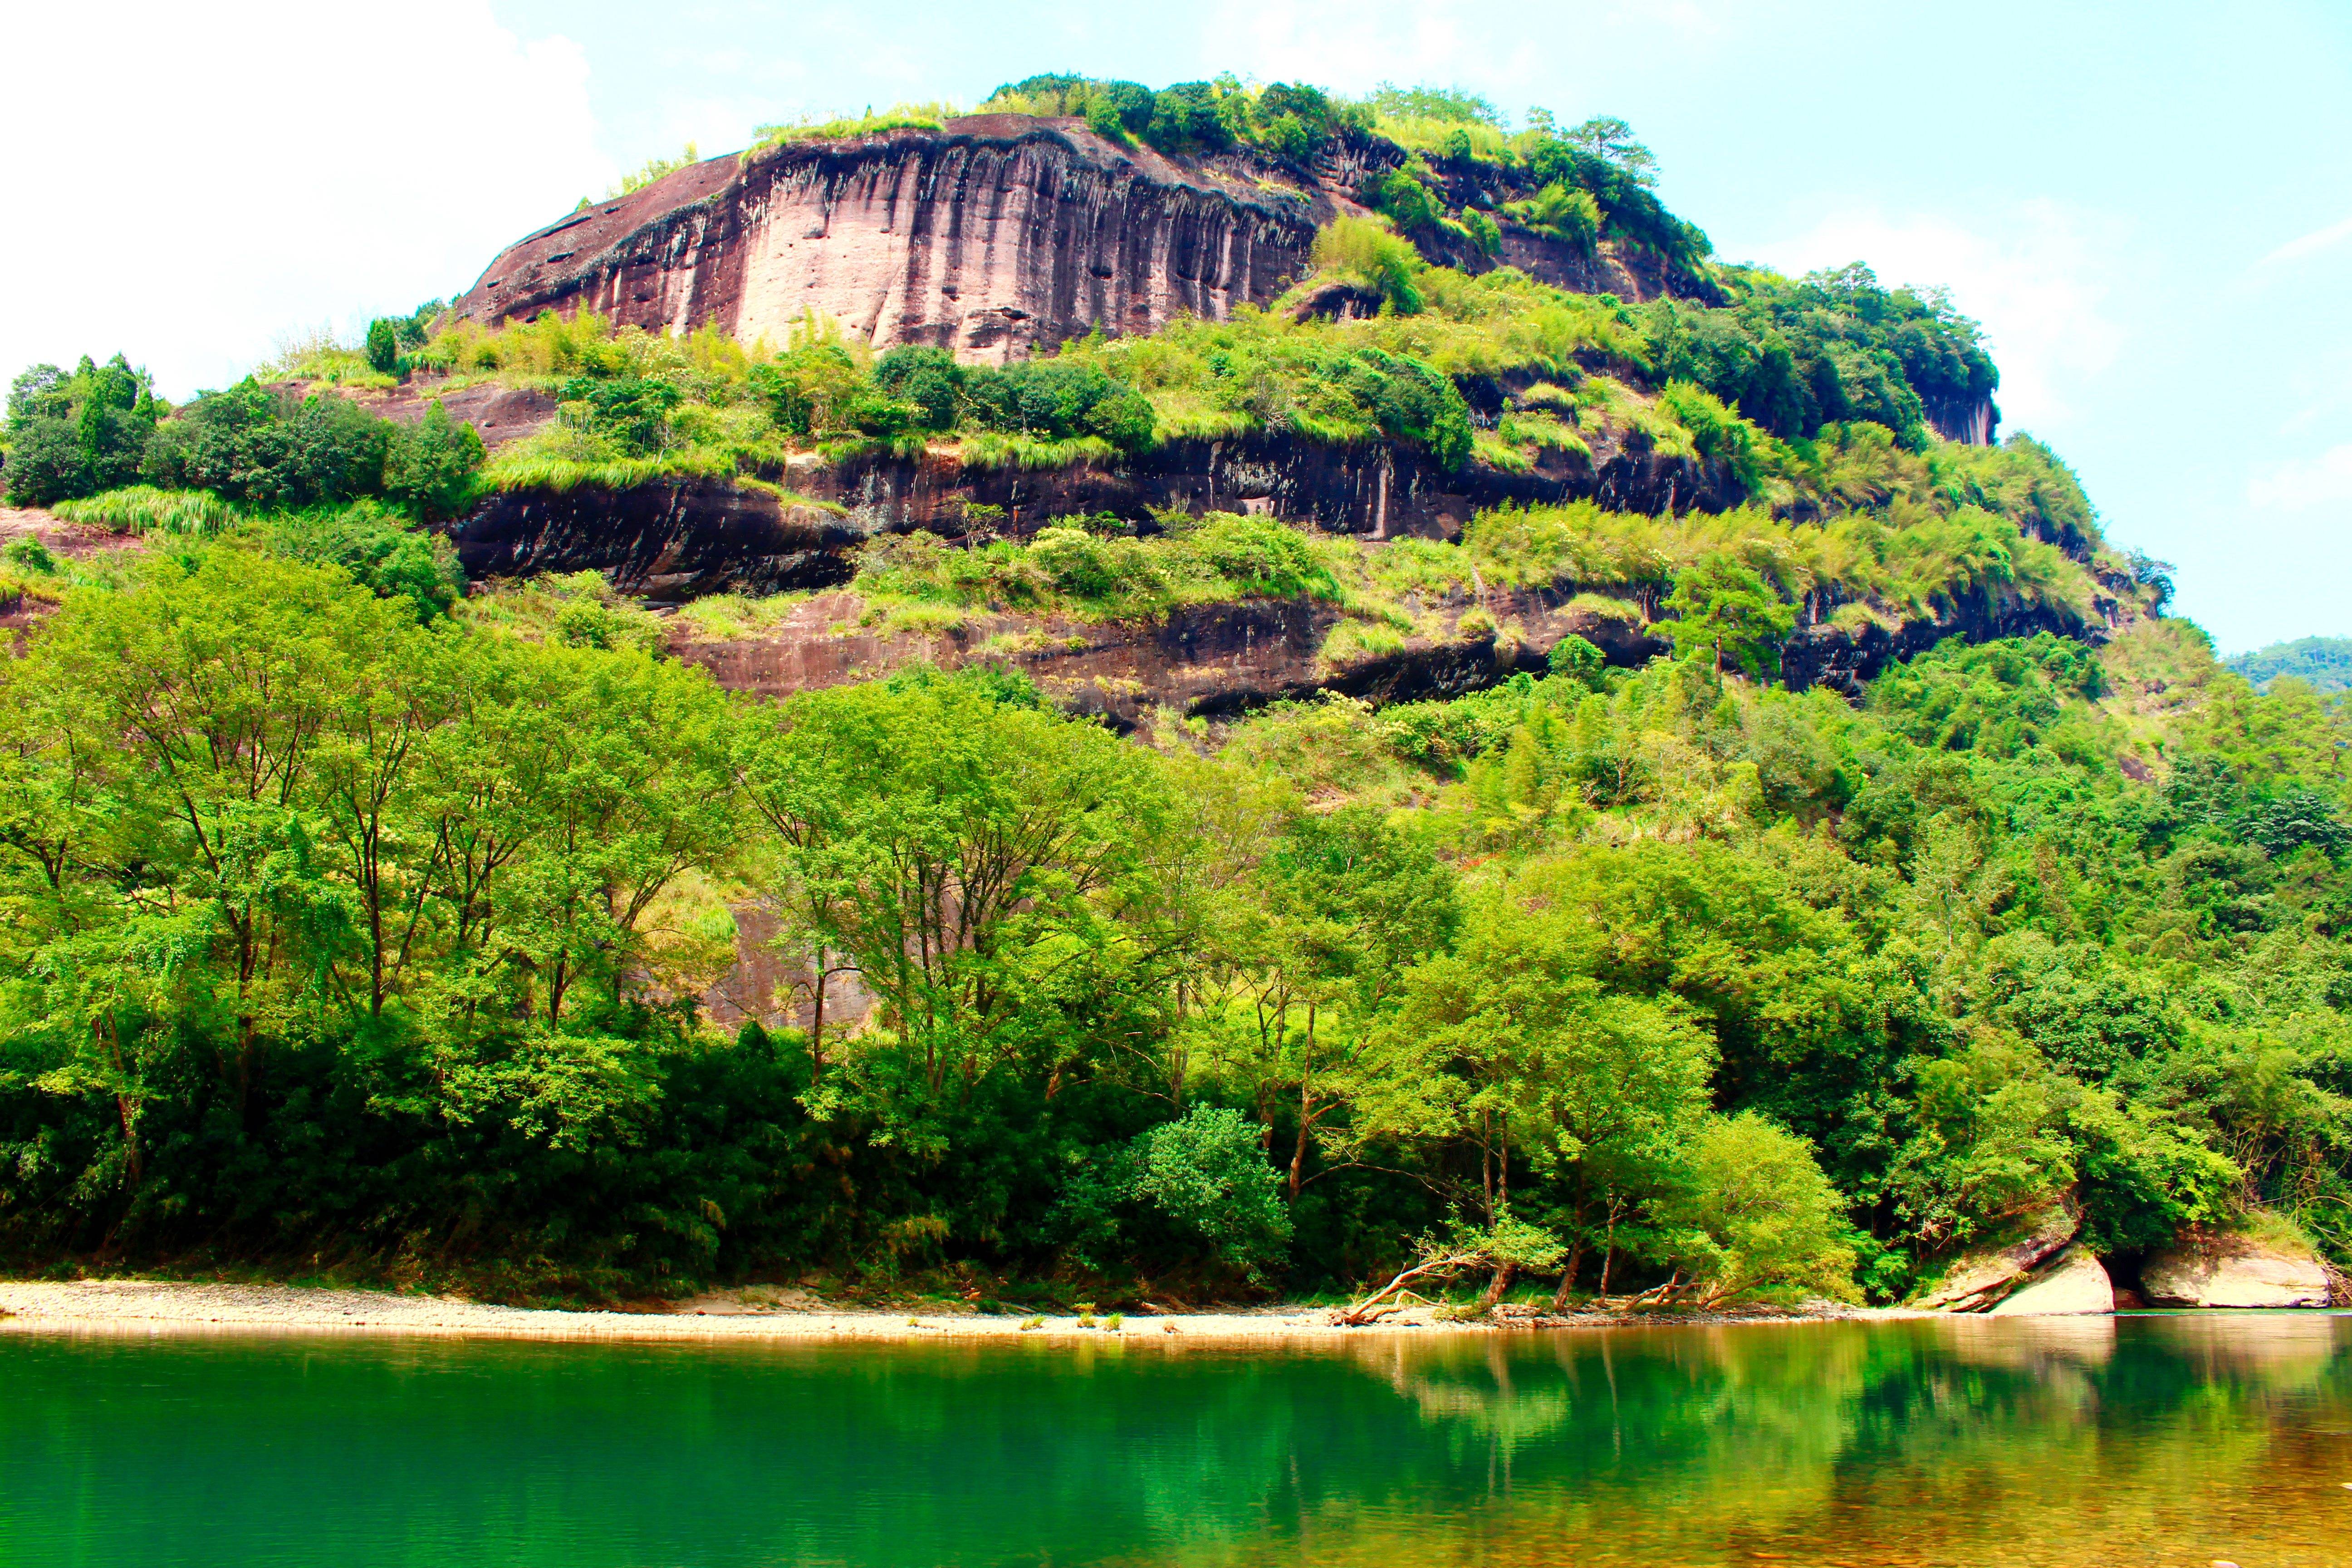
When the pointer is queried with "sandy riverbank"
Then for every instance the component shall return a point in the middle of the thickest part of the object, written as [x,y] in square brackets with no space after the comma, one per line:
[148,1306]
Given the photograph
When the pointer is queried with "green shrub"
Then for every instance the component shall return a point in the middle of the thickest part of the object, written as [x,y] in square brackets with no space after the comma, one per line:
[1261,556]
[76,435]
[632,411]
[1208,1176]
[431,465]
[383,552]
[44,464]
[27,553]
[1727,611]
[897,117]
[1563,212]
[382,346]
[1368,248]
[1756,1214]
[268,450]
[1058,400]
[1579,660]
[927,379]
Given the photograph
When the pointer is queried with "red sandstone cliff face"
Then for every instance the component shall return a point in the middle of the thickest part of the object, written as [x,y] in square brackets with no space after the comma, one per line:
[1000,234]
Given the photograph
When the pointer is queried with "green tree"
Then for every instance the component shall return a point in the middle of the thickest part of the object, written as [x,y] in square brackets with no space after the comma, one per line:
[431,465]
[1758,1215]
[1727,611]
[383,346]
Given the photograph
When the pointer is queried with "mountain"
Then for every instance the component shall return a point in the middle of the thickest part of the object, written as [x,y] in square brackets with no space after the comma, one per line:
[1206,689]
[2323,663]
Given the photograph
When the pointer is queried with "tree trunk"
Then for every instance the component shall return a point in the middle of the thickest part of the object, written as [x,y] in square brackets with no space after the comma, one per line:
[1486,1163]
[1299,1152]
[816,1023]
[1568,1276]
[1503,1274]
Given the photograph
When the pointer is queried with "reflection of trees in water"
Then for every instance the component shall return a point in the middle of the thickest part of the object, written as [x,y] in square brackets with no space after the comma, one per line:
[1935,1441]
[1932,1441]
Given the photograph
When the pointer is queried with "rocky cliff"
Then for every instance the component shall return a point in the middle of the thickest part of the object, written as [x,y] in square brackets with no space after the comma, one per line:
[997,235]
[676,540]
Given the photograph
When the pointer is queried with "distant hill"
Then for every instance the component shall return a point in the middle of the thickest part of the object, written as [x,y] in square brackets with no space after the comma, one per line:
[2325,662]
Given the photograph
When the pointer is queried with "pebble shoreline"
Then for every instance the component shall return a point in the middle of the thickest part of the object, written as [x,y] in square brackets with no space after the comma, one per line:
[146,1305]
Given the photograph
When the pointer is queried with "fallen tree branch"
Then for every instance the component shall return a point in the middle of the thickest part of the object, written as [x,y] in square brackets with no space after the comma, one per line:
[1449,1260]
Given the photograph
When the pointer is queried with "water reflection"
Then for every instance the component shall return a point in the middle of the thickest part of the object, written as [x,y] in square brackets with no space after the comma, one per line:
[2024,1441]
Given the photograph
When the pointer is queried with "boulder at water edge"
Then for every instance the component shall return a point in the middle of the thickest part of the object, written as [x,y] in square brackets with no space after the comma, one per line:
[2234,1271]
[2076,1286]
[1976,1282]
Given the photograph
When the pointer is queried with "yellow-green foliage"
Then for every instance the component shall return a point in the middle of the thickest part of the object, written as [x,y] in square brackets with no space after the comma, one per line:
[143,509]
[1932,560]
[317,356]
[1449,138]
[654,169]
[1066,568]
[552,347]
[1012,449]
[578,609]
[897,117]
[1353,641]
[1261,369]
[545,463]
[1369,252]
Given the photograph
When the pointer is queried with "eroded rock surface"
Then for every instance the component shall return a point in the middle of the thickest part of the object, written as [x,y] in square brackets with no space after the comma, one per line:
[2234,1271]
[1977,1281]
[2075,1286]
[997,234]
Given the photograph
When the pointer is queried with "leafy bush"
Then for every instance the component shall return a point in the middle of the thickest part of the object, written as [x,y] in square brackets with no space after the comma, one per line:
[926,379]
[1365,249]
[1727,611]
[76,434]
[1580,661]
[897,117]
[431,464]
[265,448]
[381,551]
[382,346]
[1058,399]
[1758,1214]
[1562,212]
[26,553]
[1207,1174]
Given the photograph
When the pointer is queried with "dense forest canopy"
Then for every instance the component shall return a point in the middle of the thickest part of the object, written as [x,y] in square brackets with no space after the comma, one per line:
[359,918]
[2323,663]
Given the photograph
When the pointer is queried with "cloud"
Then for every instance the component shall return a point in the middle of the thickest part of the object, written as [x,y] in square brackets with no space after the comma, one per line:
[2036,282]
[2300,484]
[189,184]
[2311,244]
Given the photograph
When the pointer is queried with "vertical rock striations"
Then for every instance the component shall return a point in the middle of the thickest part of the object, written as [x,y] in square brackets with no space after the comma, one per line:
[994,236]
[997,234]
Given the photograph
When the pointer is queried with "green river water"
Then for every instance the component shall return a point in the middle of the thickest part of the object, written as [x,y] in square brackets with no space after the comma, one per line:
[2141,1440]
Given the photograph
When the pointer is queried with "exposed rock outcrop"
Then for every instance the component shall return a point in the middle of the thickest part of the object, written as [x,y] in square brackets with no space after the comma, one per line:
[2235,1271]
[1214,659]
[2075,1286]
[667,542]
[674,540]
[997,235]
[1843,659]
[1980,1280]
